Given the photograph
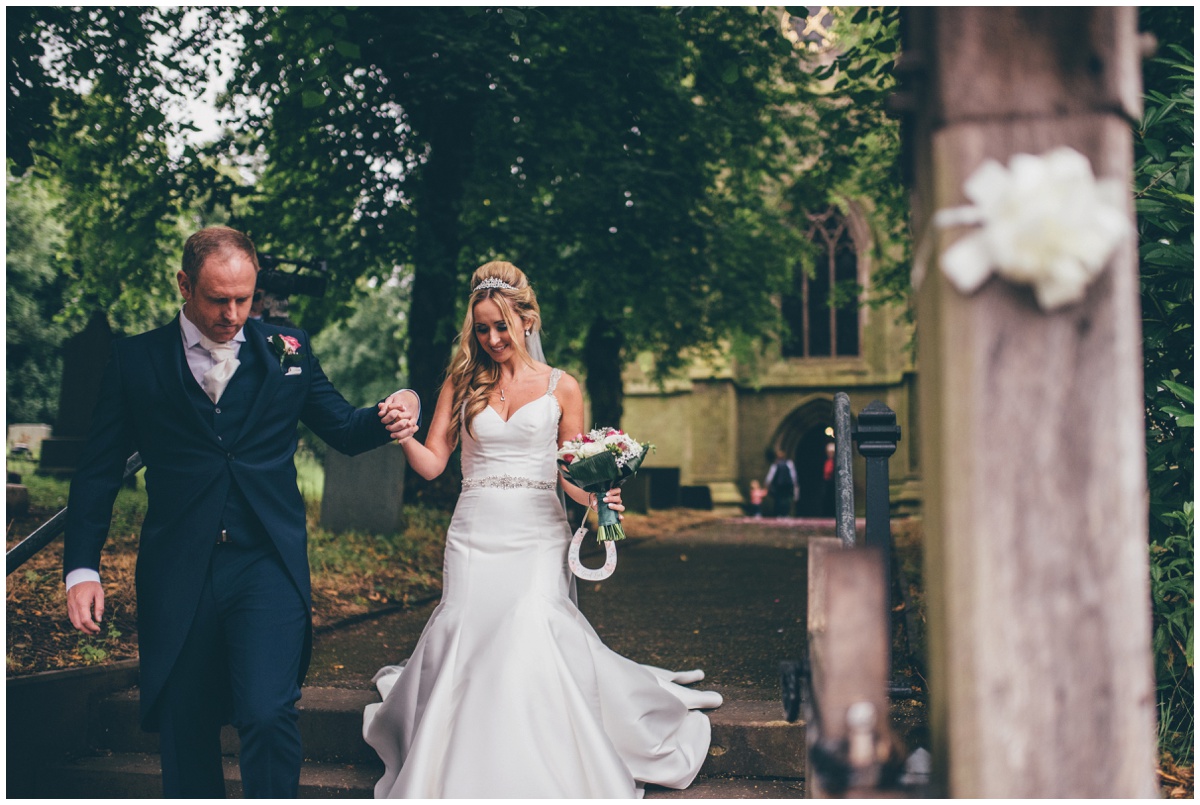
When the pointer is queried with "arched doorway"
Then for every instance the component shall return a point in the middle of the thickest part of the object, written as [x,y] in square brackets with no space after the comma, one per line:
[802,435]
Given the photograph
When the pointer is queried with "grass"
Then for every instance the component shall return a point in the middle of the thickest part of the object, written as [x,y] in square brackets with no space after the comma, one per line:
[310,474]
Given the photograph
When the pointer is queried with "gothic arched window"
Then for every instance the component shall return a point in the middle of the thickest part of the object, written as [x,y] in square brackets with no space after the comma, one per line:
[822,311]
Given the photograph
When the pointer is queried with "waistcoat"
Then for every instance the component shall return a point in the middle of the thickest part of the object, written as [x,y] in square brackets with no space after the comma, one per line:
[226,417]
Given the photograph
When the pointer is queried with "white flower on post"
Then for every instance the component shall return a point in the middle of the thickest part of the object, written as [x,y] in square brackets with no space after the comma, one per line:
[1043,221]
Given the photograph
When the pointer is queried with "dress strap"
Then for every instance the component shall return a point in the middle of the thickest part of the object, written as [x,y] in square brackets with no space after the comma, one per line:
[555,374]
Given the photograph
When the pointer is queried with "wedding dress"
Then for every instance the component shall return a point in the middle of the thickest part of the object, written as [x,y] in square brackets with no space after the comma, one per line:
[509,691]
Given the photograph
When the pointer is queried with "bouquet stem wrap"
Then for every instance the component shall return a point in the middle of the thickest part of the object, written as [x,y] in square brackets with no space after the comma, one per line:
[599,473]
[610,523]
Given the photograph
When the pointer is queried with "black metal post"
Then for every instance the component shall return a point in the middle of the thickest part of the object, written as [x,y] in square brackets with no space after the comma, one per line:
[877,434]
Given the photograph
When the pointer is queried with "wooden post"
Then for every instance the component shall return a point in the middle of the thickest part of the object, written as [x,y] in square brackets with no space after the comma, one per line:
[1032,425]
[849,659]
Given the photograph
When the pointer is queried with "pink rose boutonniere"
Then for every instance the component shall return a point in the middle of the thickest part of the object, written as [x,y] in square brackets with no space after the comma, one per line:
[287,348]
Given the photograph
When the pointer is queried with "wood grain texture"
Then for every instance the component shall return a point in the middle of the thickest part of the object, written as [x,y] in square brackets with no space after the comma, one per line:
[1036,559]
[1034,61]
[849,643]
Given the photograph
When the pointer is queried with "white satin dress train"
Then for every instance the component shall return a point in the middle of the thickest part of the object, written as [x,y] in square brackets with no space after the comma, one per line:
[509,691]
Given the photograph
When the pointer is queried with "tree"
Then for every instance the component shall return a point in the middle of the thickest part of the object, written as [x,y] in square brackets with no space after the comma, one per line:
[622,156]
[861,155]
[363,353]
[87,92]
[34,282]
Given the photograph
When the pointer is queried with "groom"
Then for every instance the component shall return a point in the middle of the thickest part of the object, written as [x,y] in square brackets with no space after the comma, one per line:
[211,402]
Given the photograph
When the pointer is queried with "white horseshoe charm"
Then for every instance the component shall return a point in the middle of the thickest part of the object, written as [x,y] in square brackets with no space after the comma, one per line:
[586,573]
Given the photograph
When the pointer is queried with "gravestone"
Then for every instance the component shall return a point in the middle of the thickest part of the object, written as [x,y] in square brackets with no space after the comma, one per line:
[16,500]
[85,355]
[664,486]
[28,435]
[364,492]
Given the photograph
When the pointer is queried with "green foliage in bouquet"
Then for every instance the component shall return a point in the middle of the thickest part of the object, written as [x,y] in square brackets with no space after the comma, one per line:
[598,474]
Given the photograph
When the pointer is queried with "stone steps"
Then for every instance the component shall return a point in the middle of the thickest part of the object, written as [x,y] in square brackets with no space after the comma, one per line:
[137,776]
[754,753]
[728,599]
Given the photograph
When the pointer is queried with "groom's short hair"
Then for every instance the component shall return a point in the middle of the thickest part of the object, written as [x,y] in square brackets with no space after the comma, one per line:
[213,240]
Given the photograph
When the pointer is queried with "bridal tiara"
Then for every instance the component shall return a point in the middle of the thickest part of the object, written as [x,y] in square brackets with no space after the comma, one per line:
[493,282]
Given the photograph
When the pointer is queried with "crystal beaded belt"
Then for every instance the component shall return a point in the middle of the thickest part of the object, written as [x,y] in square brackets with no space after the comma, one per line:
[506,482]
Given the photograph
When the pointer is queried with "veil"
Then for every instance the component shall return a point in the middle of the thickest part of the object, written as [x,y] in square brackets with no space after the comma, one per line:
[533,345]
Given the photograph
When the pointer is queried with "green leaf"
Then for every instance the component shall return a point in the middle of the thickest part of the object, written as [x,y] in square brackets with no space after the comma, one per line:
[1183,178]
[311,99]
[322,36]
[347,49]
[730,73]
[1181,391]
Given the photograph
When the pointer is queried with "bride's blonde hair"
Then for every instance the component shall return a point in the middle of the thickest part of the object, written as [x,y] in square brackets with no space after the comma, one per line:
[472,373]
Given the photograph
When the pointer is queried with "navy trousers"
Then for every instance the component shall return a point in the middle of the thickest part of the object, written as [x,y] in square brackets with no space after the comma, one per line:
[240,663]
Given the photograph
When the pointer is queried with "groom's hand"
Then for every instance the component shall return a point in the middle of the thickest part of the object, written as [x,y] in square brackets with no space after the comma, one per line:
[83,600]
[399,414]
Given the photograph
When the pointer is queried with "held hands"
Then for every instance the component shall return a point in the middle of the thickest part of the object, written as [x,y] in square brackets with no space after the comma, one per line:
[399,415]
[82,600]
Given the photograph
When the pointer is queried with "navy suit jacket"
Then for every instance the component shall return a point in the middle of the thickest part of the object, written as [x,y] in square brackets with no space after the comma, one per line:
[144,406]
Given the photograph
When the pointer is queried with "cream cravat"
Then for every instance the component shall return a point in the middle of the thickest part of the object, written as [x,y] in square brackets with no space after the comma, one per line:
[217,378]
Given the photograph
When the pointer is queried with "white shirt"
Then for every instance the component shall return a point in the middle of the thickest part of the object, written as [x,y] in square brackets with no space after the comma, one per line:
[199,359]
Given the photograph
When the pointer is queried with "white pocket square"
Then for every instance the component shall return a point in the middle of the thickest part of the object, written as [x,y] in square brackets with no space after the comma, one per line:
[292,370]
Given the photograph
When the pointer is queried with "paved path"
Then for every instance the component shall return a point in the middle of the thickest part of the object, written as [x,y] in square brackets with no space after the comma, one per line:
[727,596]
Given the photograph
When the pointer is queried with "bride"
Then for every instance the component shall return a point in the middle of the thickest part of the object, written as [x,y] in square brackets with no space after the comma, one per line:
[509,691]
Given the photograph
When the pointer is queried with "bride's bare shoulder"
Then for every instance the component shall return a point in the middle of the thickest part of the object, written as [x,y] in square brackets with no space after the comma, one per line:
[567,384]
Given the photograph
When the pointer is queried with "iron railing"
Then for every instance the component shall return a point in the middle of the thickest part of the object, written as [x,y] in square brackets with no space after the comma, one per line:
[866,756]
[48,531]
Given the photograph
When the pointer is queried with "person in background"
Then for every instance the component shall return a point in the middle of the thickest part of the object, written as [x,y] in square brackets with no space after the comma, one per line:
[828,505]
[783,484]
[757,495]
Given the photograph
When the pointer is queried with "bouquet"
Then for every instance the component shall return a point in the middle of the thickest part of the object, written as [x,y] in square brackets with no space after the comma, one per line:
[598,461]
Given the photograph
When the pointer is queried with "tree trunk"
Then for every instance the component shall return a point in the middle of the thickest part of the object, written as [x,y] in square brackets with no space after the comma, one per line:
[602,355]
[436,281]
[432,327]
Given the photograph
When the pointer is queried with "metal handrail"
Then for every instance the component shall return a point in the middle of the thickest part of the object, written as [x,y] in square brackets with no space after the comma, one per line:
[843,473]
[25,550]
